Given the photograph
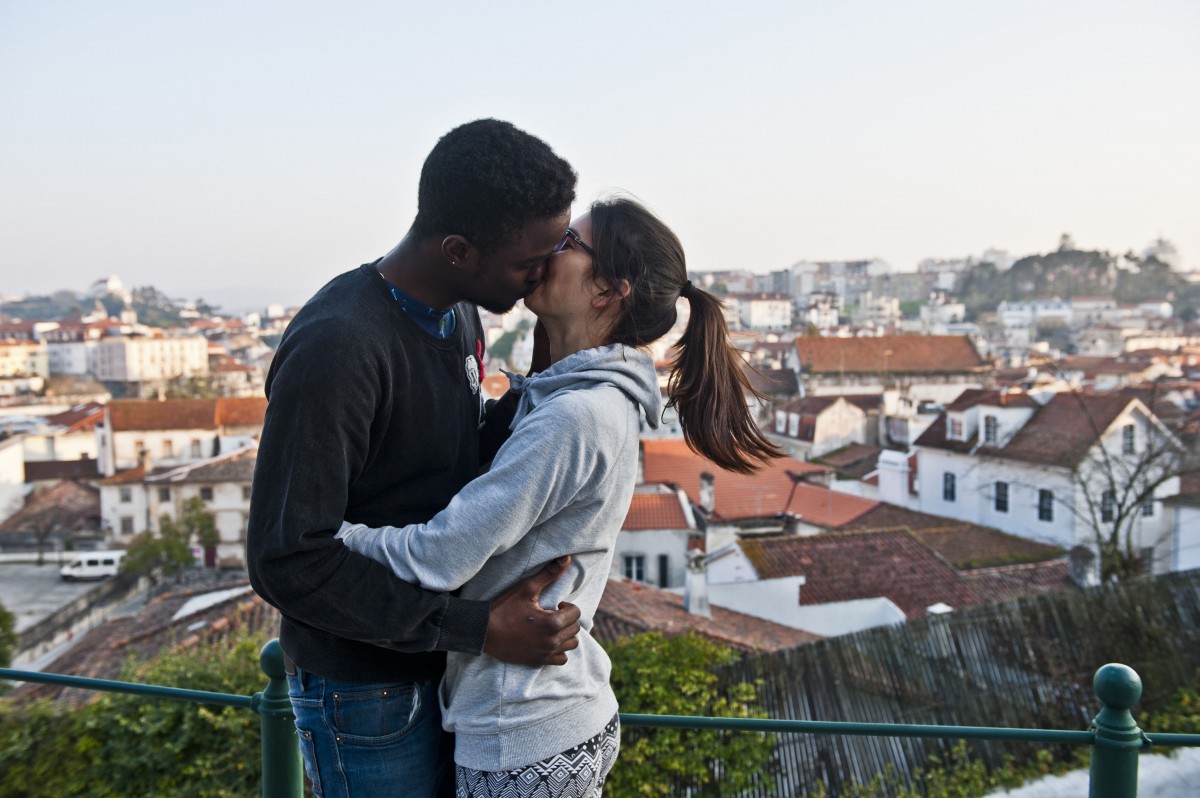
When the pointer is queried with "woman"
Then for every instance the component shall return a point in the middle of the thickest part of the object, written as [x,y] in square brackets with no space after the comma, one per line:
[562,485]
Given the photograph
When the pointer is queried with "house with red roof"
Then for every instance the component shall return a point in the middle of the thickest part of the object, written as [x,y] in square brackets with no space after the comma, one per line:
[1060,473]
[69,435]
[173,432]
[816,425]
[920,367]
[786,495]
[135,500]
[658,532]
[835,583]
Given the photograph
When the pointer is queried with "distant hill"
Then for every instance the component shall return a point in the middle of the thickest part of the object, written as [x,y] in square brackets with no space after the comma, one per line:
[153,308]
[1069,273]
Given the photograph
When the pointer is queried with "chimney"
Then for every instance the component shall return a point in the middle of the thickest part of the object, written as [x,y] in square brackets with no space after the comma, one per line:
[695,589]
[707,492]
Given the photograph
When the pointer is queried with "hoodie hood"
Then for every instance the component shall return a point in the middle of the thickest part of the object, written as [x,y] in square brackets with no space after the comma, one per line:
[631,370]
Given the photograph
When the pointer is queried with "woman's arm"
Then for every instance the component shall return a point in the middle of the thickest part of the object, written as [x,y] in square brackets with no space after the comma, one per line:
[536,473]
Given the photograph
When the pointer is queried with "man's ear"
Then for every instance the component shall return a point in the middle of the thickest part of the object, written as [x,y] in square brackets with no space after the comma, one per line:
[456,248]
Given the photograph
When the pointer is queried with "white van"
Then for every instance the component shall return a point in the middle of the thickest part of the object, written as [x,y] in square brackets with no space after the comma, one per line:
[92,565]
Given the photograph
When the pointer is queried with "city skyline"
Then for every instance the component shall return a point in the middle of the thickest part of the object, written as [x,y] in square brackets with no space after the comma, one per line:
[258,150]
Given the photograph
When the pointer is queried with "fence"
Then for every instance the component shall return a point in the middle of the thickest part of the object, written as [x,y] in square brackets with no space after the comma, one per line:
[1017,664]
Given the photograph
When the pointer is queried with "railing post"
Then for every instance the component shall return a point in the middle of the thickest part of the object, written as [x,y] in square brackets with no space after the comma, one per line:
[281,771]
[1118,739]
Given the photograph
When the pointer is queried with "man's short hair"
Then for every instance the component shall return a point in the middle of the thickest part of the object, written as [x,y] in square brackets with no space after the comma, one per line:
[486,180]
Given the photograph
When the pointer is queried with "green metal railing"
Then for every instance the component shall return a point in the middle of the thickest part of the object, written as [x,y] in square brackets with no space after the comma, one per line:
[1114,736]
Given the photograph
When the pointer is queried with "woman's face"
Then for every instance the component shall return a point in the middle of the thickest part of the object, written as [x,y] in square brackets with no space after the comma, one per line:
[567,290]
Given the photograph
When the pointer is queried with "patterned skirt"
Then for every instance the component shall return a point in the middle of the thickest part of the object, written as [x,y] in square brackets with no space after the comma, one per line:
[578,772]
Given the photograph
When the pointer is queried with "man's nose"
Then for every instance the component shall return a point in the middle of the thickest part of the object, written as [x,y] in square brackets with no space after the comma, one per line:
[538,272]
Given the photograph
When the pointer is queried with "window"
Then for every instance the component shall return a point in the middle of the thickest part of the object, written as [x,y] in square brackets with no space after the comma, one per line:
[126,525]
[168,449]
[195,452]
[126,495]
[245,493]
[956,429]
[1108,504]
[634,567]
[664,570]
[1002,497]
[164,494]
[206,494]
[1127,439]
[1148,508]
[989,430]
[1045,505]
[948,487]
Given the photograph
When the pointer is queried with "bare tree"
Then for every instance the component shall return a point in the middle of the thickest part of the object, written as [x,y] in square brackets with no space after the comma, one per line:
[1118,484]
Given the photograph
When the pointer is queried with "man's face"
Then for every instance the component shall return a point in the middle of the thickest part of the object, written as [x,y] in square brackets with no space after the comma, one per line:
[511,271]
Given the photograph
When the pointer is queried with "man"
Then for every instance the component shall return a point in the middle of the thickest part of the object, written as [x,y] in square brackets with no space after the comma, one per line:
[376,417]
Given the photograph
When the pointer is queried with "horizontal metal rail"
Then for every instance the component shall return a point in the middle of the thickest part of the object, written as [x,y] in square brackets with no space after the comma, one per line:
[1114,737]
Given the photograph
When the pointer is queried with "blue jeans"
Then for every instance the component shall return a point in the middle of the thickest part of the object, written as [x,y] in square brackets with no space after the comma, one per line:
[369,740]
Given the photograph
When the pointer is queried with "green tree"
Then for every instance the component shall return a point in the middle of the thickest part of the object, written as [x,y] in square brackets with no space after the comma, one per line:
[171,548]
[122,745]
[8,640]
[659,675]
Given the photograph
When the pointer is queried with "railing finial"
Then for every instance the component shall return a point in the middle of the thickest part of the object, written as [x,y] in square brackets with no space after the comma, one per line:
[1117,736]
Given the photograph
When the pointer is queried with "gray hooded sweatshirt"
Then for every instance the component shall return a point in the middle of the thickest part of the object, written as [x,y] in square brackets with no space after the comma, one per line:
[560,485]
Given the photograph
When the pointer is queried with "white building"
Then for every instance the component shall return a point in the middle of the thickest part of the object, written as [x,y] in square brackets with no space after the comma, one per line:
[150,358]
[762,312]
[1060,473]
[145,433]
[24,359]
[134,501]
[652,546]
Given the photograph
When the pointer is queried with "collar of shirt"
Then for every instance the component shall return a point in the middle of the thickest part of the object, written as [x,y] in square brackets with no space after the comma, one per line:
[438,323]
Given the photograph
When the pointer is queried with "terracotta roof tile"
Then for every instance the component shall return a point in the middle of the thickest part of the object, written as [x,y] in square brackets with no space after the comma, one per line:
[669,460]
[141,414]
[80,417]
[659,510]
[858,565]
[1026,579]
[963,544]
[906,354]
[64,505]
[629,608]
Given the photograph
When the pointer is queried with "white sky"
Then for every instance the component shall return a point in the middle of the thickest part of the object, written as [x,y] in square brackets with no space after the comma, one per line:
[251,150]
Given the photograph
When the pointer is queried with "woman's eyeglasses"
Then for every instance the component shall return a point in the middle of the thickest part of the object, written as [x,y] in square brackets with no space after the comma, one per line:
[571,235]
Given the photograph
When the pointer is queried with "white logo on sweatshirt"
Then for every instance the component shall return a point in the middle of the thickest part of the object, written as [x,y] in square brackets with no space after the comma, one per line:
[473,373]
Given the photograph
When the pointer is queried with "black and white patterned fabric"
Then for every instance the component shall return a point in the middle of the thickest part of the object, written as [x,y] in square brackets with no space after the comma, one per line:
[578,772]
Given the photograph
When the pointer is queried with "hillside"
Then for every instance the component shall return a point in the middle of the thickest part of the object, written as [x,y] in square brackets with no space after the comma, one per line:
[1068,273]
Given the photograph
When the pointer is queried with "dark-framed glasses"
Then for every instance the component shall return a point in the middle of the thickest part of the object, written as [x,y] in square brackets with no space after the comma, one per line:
[571,235]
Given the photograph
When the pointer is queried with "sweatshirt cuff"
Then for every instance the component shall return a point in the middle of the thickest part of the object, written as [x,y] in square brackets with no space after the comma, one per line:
[464,626]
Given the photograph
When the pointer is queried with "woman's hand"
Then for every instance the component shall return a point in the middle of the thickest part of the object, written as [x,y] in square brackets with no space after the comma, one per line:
[521,632]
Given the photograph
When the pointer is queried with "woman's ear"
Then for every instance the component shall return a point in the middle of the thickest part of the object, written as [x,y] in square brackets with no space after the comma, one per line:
[608,292]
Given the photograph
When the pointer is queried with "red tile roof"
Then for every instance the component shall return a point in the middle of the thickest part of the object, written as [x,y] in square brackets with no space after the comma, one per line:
[629,608]
[907,354]
[42,470]
[140,414]
[963,544]
[59,506]
[858,565]
[657,510]
[1006,582]
[669,460]
[79,418]
[1062,432]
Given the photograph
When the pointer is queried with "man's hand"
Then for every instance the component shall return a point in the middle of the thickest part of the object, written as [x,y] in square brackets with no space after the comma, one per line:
[521,632]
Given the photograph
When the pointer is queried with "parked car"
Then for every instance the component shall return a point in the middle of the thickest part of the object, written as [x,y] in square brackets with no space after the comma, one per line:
[92,565]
